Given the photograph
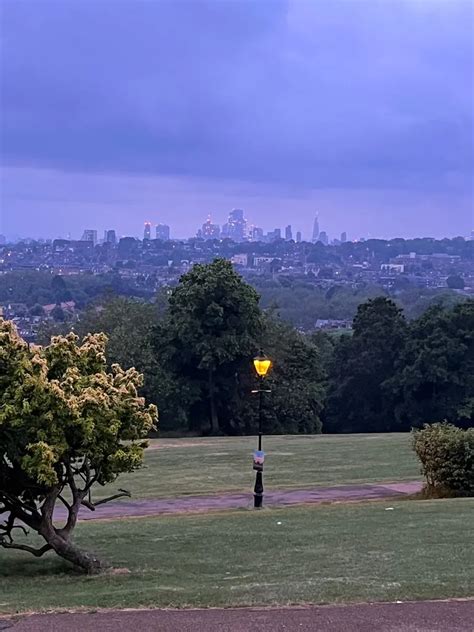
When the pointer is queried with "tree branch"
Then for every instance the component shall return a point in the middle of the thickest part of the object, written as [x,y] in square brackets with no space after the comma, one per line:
[90,505]
[28,549]
[20,510]
[64,502]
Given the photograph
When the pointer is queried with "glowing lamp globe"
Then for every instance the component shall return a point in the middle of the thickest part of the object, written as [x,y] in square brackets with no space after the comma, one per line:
[262,365]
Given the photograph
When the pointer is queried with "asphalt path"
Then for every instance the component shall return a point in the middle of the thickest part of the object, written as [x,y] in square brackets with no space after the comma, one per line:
[422,616]
[219,502]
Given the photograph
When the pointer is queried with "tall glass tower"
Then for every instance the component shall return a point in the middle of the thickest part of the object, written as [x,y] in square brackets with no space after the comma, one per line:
[316,229]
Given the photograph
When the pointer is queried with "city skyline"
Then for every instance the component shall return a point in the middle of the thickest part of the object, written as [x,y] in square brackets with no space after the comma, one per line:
[361,110]
[249,230]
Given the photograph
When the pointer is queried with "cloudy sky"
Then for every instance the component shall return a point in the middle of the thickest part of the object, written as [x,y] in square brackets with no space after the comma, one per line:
[114,112]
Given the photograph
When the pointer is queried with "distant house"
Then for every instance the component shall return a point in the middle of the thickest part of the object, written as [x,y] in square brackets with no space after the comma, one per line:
[332,323]
[239,259]
[68,306]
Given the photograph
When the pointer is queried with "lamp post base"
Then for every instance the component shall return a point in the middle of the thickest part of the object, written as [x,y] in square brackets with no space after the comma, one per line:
[258,491]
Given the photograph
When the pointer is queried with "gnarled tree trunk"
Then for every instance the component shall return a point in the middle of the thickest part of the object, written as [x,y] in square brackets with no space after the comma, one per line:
[40,518]
[66,549]
[60,540]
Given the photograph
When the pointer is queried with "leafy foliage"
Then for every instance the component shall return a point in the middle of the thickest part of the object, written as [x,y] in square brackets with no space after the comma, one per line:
[213,322]
[434,377]
[447,458]
[358,400]
[296,381]
[66,424]
[455,282]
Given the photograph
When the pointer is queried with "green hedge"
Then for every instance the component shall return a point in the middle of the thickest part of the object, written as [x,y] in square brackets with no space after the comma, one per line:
[447,459]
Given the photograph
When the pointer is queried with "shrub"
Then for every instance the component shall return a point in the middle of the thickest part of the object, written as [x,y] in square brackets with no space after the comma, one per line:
[447,459]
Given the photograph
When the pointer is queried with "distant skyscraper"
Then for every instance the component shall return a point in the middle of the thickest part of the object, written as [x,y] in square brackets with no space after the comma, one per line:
[316,229]
[210,230]
[288,233]
[298,237]
[147,231]
[3,240]
[89,235]
[343,237]
[236,227]
[256,233]
[110,237]
[323,237]
[273,235]
[162,232]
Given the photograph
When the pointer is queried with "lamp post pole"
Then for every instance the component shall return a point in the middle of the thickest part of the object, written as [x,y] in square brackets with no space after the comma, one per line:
[262,365]
[258,489]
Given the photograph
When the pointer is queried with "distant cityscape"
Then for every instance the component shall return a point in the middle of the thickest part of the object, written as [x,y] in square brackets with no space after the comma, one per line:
[237,228]
[140,267]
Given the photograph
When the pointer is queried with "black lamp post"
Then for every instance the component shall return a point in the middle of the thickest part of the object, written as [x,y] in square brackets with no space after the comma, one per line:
[262,365]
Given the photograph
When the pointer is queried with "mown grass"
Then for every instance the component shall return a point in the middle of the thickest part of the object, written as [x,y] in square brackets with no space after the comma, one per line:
[180,467]
[318,554]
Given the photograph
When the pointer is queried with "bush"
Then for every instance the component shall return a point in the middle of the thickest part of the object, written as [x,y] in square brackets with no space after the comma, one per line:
[447,459]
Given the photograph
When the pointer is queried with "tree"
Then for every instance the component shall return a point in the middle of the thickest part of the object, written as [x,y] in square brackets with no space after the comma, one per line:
[296,381]
[455,282]
[66,425]
[213,322]
[60,290]
[58,314]
[434,380]
[358,400]
[130,328]
[128,324]
[37,310]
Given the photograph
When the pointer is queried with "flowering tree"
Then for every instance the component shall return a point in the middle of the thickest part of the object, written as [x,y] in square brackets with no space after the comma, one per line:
[66,425]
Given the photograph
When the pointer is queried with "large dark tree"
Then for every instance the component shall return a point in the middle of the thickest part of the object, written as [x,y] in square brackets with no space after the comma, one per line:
[296,381]
[434,380]
[213,323]
[358,400]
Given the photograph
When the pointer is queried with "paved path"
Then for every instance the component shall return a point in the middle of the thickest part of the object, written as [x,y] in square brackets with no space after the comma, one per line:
[423,616]
[218,502]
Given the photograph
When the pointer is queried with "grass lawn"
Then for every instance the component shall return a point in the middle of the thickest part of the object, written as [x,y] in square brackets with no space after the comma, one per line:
[334,553]
[178,467]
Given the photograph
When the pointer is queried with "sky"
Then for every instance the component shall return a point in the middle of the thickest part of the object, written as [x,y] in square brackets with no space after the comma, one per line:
[117,112]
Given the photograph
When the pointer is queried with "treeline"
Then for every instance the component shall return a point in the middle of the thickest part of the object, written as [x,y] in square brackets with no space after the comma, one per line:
[300,302]
[34,288]
[296,300]
[196,348]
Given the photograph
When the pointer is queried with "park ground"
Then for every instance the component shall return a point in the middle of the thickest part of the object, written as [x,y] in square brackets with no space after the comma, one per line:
[386,550]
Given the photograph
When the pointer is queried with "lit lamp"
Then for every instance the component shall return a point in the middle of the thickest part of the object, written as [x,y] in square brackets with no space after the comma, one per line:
[262,366]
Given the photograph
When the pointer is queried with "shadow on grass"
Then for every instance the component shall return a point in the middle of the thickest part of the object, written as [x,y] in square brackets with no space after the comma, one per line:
[438,493]
[31,567]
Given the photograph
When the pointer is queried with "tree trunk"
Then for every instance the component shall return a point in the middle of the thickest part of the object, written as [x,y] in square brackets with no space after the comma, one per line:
[60,539]
[84,560]
[212,402]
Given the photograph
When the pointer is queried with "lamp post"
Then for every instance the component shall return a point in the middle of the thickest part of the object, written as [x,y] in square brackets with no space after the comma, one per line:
[262,366]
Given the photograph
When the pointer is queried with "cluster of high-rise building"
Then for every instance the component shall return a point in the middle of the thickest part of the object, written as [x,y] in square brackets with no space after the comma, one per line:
[162,231]
[237,228]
